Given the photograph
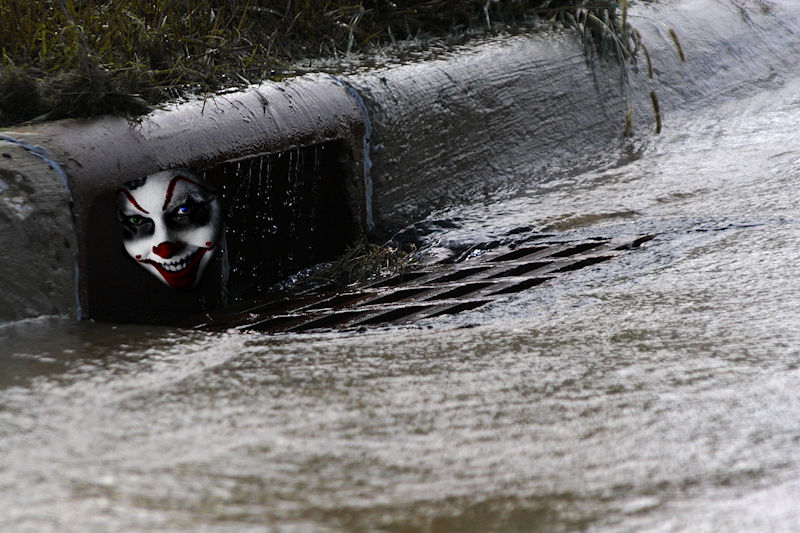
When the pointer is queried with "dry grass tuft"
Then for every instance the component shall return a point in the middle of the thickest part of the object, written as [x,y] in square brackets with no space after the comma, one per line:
[365,262]
[77,58]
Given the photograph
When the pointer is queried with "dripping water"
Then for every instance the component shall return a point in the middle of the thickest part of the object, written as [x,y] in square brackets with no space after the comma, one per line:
[285,211]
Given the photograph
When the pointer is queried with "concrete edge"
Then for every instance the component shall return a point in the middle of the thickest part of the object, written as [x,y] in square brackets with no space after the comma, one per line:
[38,273]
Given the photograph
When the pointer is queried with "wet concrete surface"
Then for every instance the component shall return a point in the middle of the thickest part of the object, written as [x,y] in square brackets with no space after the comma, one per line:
[463,127]
[37,236]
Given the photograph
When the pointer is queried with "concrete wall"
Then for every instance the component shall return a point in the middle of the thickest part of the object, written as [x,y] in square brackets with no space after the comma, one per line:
[38,243]
[447,130]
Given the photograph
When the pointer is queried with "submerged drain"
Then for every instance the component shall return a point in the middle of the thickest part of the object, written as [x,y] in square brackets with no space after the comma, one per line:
[431,291]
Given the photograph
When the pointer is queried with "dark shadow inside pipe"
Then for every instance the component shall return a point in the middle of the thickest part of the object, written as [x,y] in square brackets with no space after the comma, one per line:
[283,212]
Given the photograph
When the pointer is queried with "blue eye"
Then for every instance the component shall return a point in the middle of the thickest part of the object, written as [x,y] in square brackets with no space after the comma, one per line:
[184,210]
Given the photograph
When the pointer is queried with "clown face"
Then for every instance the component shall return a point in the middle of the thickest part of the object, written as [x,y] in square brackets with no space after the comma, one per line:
[170,225]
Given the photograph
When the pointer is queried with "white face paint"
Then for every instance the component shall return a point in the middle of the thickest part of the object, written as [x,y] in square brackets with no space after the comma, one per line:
[171,224]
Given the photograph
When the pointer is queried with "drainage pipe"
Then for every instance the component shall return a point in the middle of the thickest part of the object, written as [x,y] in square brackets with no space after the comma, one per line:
[94,157]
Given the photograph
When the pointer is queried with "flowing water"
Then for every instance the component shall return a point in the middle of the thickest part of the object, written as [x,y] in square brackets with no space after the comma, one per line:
[654,392]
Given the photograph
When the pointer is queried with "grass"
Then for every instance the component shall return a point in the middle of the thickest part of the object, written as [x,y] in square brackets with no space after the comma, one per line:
[363,262]
[80,58]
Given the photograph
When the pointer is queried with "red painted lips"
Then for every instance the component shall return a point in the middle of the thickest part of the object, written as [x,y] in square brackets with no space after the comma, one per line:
[185,278]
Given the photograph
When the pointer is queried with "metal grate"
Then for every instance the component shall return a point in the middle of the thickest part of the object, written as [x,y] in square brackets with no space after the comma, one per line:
[431,291]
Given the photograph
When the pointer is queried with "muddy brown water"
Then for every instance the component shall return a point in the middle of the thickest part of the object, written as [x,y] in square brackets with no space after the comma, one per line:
[654,392]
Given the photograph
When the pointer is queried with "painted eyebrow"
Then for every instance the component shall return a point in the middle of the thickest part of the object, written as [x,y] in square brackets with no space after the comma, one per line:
[133,201]
[171,189]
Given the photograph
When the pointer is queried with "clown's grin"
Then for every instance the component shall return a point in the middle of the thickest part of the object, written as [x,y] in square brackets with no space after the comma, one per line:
[180,274]
[182,263]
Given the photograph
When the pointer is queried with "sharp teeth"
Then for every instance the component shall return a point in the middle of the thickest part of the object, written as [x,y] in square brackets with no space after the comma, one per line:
[177,266]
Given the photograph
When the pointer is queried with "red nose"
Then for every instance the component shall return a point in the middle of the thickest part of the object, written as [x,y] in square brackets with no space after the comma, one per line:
[168,249]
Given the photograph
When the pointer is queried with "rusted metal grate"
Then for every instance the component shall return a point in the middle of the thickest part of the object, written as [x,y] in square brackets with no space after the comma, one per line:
[432,290]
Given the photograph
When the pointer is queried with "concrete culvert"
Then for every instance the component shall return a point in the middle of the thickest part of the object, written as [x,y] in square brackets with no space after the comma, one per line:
[284,161]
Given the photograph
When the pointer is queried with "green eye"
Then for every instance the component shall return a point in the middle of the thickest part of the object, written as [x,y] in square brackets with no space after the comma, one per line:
[135,220]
